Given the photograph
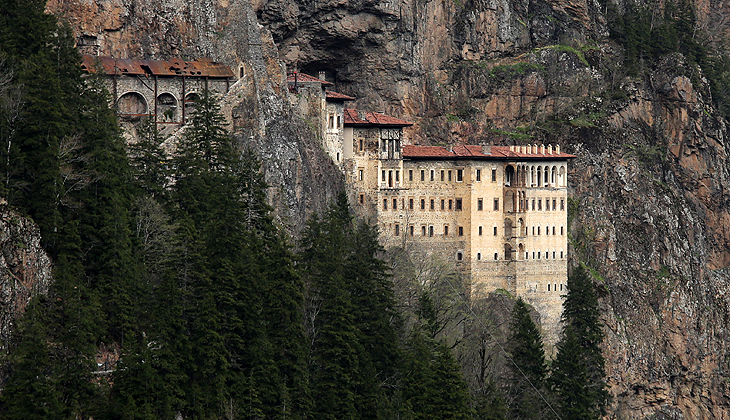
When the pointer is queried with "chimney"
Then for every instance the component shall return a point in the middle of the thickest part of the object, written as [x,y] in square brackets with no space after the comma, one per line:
[550,149]
[557,149]
[542,149]
[534,149]
[512,148]
[487,149]
[522,149]
[322,76]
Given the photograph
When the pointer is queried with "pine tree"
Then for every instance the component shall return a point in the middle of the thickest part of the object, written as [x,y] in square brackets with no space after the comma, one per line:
[578,375]
[528,373]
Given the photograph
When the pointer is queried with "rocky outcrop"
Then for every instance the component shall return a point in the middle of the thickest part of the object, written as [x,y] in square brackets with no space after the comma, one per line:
[25,269]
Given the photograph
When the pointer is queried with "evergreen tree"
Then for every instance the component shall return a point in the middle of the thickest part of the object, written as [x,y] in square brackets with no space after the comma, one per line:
[578,375]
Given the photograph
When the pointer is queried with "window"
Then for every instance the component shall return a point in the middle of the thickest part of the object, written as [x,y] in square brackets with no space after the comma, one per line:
[459,256]
[526,255]
[496,204]
[423,230]
[449,176]
[459,175]
[479,175]
[430,230]
[446,231]
[362,198]
[495,231]
[395,204]
[479,256]
[385,204]
[538,231]
[553,254]
[539,204]
[561,231]
[362,146]
[554,206]
[385,145]
[562,204]
[553,230]
[383,176]
[561,254]
[461,230]
[432,204]
[494,175]
[411,229]
[538,255]
[410,204]
[480,204]
[423,175]
[496,256]
[423,204]
[451,204]
[410,175]
[442,176]
[533,231]
[397,176]
[332,121]
[533,204]
[397,230]
[433,173]
[547,230]
[339,121]
[548,287]
[360,175]
[561,287]
[443,204]
[480,231]
[458,204]
[533,255]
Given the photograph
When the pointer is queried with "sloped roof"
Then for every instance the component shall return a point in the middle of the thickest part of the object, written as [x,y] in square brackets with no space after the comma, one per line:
[174,67]
[336,96]
[354,117]
[305,78]
[477,153]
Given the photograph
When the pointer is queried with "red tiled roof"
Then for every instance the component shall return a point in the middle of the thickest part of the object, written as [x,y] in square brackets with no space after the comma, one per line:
[174,67]
[336,96]
[305,78]
[475,152]
[353,117]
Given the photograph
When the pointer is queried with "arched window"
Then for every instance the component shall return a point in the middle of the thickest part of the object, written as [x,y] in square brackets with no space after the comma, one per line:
[509,175]
[508,252]
[539,176]
[479,256]
[546,176]
[496,256]
[561,176]
[167,108]
[552,176]
[132,104]
[459,256]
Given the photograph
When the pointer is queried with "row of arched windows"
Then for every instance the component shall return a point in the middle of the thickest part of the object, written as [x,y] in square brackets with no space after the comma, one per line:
[168,109]
[535,176]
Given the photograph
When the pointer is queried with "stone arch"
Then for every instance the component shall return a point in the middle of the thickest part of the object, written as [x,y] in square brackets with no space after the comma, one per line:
[509,201]
[190,100]
[509,175]
[167,109]
[508,252]
[132,104]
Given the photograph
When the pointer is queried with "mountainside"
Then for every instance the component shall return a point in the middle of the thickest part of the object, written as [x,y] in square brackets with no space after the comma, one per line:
[651,208]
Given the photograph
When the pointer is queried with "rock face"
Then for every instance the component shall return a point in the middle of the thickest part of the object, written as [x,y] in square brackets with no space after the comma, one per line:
[651,208]
[25,269]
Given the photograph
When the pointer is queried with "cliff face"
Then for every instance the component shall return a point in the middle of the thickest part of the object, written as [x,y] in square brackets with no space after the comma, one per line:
[651,210]
[25,269]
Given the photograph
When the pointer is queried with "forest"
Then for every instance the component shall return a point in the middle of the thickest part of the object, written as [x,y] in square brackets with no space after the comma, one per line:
[177,265]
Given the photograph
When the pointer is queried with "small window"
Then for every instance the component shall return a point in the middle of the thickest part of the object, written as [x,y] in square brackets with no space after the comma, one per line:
[410,204]
[548,287]
[432,204]
[553,230]
[411,229]
[459,256]
[539,204]
[443,204]
[561,255]
[423,204]
[397,230]
[430,230]
[385,204]
[533,255]
[446,231]
[480,231]
[332,121]
[360,175]
[561,231]
[449,176]
[461,230]
[362,198]
[480,204]
[496,256]
[479,256]
[494,175]
[451,204]
[496,204]
[554,207]
[397,176]
[433,174]
[383,176]
[538,231]
[547,230]
[423,174]
[442,176]
[533,204]
[395,204]
[495,231]
[362,148]
[562,205]
[527,255]
[538,255]
[479,175]
[338,156]
[561,287]
[423,230]
[458,204]
[459,175]
[553,254]
[410,175]
[339,121]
